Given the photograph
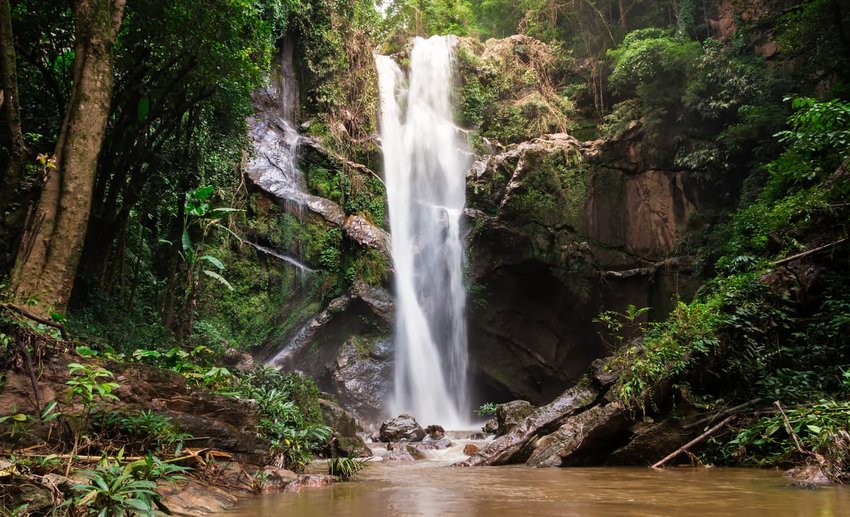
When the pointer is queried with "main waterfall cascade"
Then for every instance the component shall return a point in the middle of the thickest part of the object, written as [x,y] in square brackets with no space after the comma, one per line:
[425,166]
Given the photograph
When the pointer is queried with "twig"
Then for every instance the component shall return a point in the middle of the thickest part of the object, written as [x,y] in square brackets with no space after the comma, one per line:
[791,430]
[80,458]
[724,412]
[693,442]
[810,252]
[38,319]
[31,372]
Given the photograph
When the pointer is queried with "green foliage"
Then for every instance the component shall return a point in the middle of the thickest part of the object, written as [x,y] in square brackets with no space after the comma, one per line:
[618,326]
[799,193]
[345,468]
[819,130]
[487,409]
[289,413]
[141,430]
[811,33]
[90,384]
[553,193]
[512,94]
[654,66]
[116,490]
[370,265]
[194,365]
[822,429]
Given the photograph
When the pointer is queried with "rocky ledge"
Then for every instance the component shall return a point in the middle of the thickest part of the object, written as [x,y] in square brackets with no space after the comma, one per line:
[584,426]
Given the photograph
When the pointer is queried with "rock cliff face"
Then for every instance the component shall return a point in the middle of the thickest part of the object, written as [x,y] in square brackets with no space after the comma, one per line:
[561,230]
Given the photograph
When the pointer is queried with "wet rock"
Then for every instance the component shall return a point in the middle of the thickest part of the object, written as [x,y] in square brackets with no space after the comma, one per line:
[402,454]
[237,360]
[403,428]
[379,300]
[309,481]
[470,449]
[808,476]
[511,414]
[432,445]
[276,479]
[338,419]
[361,230]
[363,377]
[196,498]
[434,432]
[232,474]
[584,439]
[491,426]
[604,372]
[517,445]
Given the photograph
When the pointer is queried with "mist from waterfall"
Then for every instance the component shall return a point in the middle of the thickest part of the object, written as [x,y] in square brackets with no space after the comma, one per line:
[425,166]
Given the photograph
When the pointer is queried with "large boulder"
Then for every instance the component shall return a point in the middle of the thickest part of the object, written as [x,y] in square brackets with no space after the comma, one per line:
[517,445]
[511,414]
[582,440]
[362,375]
[403,428]
[346,441]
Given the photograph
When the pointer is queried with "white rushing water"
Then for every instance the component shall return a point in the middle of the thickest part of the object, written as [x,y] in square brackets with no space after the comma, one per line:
[425,168]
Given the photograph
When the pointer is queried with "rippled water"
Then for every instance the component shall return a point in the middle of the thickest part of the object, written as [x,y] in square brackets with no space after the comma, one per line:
[434,488]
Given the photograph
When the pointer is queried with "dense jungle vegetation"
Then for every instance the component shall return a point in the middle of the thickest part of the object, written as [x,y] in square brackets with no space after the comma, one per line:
[126,217]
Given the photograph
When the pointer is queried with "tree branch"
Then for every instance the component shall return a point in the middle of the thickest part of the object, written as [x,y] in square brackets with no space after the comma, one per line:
[38,319]
[810,252]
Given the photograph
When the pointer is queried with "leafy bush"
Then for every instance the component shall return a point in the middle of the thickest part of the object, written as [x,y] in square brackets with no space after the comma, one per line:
[116,490]
[821,428]
[142,430]
[289,413]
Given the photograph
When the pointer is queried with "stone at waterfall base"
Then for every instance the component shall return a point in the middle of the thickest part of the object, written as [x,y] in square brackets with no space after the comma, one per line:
[403,428]
[470,449]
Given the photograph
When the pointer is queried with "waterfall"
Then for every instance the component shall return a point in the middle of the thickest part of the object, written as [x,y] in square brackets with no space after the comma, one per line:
[425,169]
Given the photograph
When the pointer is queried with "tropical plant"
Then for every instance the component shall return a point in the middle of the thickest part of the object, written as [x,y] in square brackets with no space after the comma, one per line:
[116,490]
[89,385]
[345,468]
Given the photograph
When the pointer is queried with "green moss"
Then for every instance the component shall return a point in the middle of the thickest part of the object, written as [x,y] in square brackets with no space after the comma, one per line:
[554,193]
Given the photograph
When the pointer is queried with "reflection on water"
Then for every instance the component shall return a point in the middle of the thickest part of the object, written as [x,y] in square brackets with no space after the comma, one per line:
[430,488]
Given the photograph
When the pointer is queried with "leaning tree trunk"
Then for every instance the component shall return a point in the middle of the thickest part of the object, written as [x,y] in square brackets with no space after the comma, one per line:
[10,112]
[47,260]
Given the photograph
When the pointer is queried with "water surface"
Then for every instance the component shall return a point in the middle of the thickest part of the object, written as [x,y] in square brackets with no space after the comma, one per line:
[431,488]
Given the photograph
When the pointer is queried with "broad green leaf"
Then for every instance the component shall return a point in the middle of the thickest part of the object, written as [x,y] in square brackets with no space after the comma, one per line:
[188,250]
[214,261]
[143,108]
[213,274]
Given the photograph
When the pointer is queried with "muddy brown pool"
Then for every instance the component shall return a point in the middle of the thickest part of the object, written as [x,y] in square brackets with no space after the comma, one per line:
[434,488]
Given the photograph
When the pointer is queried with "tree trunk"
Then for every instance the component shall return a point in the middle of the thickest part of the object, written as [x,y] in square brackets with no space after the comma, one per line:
[47,261]
[624,24]
[10,112]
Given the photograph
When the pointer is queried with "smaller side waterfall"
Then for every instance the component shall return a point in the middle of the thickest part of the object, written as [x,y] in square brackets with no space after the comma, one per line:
[275,137]
[425,175]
